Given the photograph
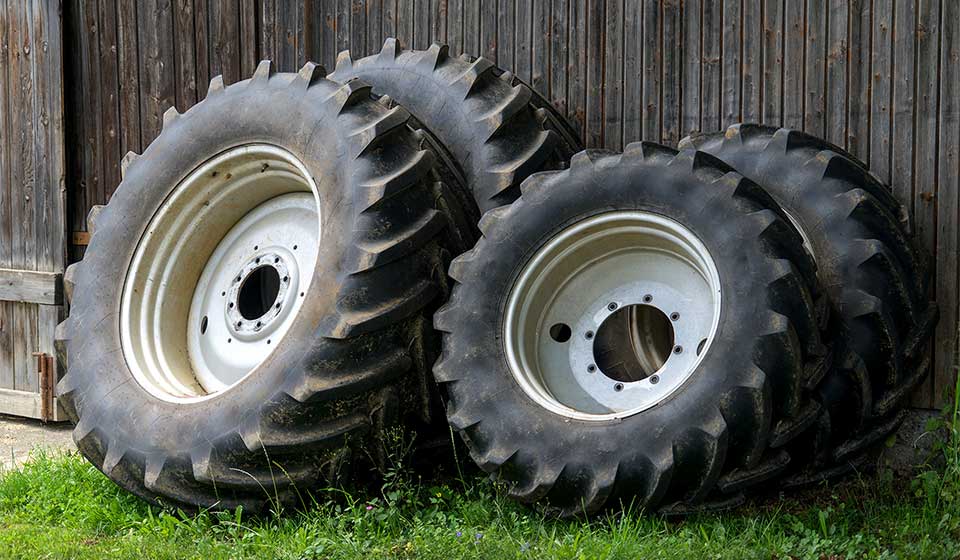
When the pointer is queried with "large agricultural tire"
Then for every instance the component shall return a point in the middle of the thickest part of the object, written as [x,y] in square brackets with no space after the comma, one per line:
[498,130]
[717,307]
[873,273]
[313,205]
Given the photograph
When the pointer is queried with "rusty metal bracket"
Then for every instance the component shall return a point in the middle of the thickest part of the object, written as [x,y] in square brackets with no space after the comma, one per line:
[46,372]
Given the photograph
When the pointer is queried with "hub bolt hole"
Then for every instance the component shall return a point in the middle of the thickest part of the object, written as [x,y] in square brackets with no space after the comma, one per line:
[560,332]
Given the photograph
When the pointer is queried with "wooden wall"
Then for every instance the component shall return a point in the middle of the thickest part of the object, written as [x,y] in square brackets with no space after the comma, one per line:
[32,226]
[879,77]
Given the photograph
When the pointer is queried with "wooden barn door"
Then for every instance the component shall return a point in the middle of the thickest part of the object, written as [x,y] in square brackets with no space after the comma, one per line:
[32,223]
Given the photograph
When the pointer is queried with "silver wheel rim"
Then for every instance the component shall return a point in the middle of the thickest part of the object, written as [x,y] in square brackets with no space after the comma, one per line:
[612,315]
[220,273]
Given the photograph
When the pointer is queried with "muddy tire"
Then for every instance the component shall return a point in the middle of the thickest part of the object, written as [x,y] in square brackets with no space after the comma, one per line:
[537,361]
[498,130]
[873,273]
[341,353]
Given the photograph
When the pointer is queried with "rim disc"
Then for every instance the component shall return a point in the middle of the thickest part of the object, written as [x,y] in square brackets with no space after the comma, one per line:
[220,273]
[612,315]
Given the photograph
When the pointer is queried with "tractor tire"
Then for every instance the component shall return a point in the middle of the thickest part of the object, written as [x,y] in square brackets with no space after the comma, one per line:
[873,273]
[683,400]
[305,222]
[498,131]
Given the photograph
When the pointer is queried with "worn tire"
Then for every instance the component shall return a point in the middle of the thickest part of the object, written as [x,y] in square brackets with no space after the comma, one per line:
[722,431]
[353,365]
[499,131]
[872,271]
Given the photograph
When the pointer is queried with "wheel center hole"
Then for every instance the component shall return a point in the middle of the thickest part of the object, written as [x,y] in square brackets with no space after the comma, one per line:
[258,292]
[633,343]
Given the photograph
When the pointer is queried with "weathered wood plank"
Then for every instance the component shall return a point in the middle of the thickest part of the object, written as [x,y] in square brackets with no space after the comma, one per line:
[421,24]
[902,106]
[26,404]
[224,40]
[711,88]
[404,14]
[881,88]
[594,105]
[814,89]
[540,49]
[454,26]
[358,28]
[732,60]
[771,87]
[652,57]
[343,25]
[634,50]
[471,27]
[506,33]
[750,80]
[793,70]
[109,86]
[559,11]
[249,50]
[576,68]
[7,193]
[523,45]
[155,31]
[671,80]
[438,22]
[836,97]
[925,156]
[185,63]
[690,108]
[948,204]
[613,76]
[374,31]
[28,286]
[858,119]
[488,44]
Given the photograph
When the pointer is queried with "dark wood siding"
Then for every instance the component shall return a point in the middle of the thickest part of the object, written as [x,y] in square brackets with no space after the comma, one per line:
[878,77]
[32,227]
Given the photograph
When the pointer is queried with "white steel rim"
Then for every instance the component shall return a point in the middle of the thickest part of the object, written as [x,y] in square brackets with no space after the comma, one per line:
[220,273]
[637,269]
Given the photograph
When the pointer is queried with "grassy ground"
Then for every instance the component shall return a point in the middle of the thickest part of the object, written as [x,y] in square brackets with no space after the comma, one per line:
[58,506]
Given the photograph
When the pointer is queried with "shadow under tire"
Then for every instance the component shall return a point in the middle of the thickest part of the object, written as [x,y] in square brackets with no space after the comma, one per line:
[874,276]
[351,363]
[721,428]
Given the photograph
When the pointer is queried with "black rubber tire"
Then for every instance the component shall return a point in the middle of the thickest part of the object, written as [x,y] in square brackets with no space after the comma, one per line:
[499,132]
[724,429]
[354,364]
[871,269]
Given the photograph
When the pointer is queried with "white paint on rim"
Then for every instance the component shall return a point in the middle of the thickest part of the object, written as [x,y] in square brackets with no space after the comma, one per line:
[615,259]
[249,202]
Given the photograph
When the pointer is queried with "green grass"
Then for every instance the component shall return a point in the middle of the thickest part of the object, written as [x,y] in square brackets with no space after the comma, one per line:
[58,506]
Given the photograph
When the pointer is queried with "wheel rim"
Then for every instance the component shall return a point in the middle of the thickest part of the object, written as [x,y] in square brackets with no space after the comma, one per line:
[612,315]
[220,273]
